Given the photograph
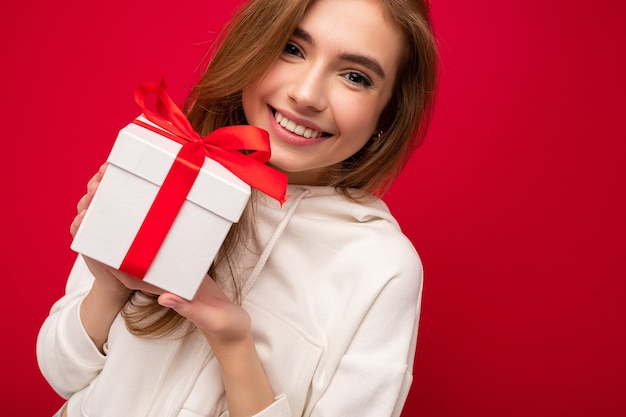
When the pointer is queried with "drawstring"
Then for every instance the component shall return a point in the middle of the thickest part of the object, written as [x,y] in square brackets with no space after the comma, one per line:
[270,244]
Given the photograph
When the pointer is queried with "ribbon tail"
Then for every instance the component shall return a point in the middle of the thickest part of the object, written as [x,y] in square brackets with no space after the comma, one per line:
[223,145]
[258,175]
[273,182]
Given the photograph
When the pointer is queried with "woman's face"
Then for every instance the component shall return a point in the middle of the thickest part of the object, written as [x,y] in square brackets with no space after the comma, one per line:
[321,100]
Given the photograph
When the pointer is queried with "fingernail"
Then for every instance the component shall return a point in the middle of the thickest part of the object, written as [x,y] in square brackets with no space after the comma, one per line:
[168,303]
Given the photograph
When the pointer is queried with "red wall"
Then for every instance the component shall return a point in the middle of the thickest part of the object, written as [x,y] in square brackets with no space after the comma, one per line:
[516,201]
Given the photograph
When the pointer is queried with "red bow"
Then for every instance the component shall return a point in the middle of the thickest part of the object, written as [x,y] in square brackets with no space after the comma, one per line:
[222,145]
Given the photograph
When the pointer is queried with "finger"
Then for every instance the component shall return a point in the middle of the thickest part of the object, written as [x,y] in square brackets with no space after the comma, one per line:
[197,311]
[170,300]
[93,181]
[97,177]
[76,223]
[178,304]
[83,203]
[85,200]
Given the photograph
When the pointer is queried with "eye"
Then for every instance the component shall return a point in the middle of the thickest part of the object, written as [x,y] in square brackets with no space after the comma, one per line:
[292,50]
[359,79]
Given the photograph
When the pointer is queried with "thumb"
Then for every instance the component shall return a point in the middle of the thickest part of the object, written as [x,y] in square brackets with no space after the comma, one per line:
[191,310]
[174,302]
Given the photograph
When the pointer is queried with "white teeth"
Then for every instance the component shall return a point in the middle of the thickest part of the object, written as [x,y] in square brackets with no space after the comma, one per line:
[297,129]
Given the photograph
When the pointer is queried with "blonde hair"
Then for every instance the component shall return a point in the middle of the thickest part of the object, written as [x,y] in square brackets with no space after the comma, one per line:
[246,48]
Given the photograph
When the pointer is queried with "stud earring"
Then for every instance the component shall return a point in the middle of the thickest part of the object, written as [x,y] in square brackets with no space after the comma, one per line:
[377,136]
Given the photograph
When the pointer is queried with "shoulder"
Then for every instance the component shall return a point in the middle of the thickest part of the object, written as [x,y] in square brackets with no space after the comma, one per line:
[375,232]
[386,256]
[368,239]
[328,231]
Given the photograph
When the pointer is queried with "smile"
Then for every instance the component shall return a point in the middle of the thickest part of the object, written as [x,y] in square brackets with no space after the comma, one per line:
[299,130]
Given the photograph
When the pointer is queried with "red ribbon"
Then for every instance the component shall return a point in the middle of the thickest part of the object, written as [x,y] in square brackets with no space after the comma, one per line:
[222,145]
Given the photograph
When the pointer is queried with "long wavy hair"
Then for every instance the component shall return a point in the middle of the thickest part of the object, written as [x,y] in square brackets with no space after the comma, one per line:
[245,49]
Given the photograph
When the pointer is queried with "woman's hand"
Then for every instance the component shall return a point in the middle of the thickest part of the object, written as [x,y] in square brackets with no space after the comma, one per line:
[111,288]
[227,328]
[221,321]
[85,200]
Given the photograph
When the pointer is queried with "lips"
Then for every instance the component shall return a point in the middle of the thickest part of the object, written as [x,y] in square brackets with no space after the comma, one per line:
[297,129]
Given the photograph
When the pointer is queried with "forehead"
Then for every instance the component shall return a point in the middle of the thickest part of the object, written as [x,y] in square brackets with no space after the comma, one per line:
[356,27]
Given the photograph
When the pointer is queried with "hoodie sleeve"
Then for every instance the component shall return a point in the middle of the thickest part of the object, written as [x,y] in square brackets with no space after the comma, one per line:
[67,357]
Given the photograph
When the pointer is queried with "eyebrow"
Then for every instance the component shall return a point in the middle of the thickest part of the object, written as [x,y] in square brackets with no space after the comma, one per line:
[367,62]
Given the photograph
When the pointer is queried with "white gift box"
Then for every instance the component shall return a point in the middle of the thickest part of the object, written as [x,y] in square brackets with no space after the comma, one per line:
[137,165]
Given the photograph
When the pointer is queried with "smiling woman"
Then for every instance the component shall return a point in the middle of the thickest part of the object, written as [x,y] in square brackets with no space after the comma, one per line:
[294,316]
[334,86]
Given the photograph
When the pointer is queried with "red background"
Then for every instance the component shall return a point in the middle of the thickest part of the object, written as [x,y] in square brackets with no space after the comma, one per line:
[516,201]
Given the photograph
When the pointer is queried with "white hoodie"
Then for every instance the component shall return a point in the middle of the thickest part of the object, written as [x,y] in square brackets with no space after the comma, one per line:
[333,290]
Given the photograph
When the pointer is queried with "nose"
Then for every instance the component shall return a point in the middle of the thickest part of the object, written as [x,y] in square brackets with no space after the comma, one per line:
[308,89]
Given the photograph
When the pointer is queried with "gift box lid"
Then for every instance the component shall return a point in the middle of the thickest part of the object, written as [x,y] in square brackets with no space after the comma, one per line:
[148,155]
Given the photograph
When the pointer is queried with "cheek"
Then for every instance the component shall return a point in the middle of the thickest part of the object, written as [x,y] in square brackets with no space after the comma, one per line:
[255,99]
[253,110]
[247,103]
[264,87]
[356,118]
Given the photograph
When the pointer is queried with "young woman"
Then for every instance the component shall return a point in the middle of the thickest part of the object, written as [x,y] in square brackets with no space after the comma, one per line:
[310,309]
